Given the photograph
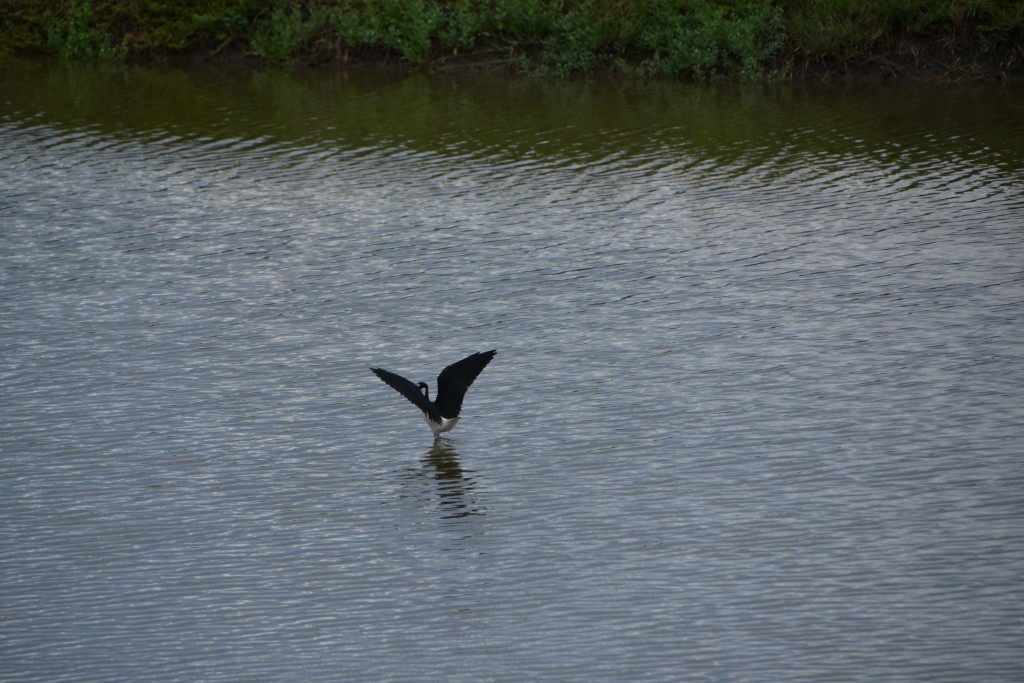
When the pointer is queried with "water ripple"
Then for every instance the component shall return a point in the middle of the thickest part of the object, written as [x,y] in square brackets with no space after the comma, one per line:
[755,411]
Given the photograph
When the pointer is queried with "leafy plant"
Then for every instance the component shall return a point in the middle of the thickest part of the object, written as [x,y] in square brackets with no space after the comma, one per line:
[704,38]
[407,26]
[282,33]
[571,47]
[77,37]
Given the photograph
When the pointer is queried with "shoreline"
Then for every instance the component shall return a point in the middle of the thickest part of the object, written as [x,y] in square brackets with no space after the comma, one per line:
[909,61]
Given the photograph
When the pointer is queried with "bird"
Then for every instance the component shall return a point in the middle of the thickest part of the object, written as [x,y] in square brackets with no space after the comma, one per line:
[442,413]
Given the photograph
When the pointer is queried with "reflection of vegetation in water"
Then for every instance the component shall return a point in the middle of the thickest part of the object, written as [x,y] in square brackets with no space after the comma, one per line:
[521,119]
[699,38]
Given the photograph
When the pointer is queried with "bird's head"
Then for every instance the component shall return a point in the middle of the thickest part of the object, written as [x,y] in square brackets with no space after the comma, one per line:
[424,389]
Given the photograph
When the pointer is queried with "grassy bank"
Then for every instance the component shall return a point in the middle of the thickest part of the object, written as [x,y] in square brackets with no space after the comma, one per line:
[698,39]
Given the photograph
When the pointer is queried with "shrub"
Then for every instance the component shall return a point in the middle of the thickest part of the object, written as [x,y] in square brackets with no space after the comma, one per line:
[280,35]
[77,38]
[406,26]
[705,38]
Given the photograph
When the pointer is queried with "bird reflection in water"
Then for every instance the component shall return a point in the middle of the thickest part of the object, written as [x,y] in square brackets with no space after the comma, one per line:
[454,488]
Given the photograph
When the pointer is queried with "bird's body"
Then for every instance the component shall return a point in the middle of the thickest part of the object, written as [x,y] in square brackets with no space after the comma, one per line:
[441,414]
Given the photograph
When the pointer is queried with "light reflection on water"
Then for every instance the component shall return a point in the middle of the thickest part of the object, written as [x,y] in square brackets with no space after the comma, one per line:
[755,413]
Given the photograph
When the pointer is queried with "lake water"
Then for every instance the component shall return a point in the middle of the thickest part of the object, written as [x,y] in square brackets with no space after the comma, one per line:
[757,412]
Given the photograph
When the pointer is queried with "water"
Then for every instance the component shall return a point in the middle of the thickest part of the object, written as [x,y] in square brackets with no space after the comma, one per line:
[756,412]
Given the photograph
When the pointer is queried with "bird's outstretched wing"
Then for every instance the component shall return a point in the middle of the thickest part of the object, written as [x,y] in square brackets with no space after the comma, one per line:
[409,390]
[455,379]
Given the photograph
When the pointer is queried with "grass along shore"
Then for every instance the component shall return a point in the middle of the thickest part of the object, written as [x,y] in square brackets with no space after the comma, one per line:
[695,39]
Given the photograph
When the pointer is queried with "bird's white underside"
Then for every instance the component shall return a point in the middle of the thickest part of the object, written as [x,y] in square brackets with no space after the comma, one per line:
[443,426]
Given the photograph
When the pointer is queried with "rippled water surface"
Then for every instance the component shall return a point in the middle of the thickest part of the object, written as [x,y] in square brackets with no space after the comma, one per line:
[756,412]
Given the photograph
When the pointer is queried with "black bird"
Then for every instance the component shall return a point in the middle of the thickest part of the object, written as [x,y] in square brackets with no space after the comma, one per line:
[442,413]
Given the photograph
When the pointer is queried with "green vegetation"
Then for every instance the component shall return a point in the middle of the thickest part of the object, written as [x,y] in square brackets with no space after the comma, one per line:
[284,31]
[77,37]
[848,26]
[700,39]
